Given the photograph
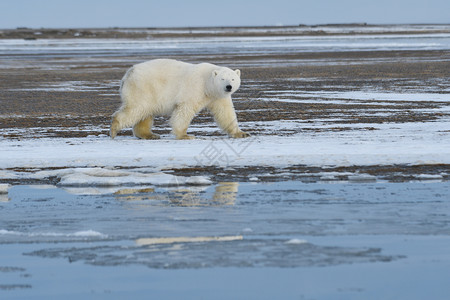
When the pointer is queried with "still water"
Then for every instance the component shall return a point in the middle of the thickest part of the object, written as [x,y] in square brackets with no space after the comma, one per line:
[235,240]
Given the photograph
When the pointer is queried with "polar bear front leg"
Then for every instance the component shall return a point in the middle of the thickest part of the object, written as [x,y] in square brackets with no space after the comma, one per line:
[180,120]
[225,116]
[143,129]
[122,118]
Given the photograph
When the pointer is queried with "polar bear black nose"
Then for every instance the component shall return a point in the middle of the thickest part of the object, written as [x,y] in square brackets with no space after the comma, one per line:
[228,87]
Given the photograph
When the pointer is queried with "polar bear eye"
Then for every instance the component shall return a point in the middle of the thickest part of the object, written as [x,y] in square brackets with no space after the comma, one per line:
[232,79]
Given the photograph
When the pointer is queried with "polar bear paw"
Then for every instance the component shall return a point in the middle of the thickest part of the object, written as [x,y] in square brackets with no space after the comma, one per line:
[148,136]
[240,134]
[185,137]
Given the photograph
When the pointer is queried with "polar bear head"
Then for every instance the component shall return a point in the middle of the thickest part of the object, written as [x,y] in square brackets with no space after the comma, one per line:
[226,81]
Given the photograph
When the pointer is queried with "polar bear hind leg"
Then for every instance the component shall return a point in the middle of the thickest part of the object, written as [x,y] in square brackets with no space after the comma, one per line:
[143,129]
[124,117]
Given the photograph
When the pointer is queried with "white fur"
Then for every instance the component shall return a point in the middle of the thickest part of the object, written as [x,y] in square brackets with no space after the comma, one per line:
[181,90]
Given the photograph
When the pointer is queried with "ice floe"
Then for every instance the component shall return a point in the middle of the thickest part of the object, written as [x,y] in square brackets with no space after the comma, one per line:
[108,177]
[296,242]
[78,234]
[186,239]
[4,188]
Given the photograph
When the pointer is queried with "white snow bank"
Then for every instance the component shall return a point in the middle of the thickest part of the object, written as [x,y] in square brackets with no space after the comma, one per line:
[81,178]
[99,161]
[108,177]
[410,143]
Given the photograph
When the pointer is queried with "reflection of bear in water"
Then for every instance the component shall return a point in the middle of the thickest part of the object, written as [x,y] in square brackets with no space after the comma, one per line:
[224,194]
[181,90]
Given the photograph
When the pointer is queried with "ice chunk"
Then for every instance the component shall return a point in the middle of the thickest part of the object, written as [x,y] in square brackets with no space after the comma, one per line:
[83,234]
[196,180]
[110,177]
[362,178]
[428,176]
[186,239]
[296,242]
[88,233]
[4,187]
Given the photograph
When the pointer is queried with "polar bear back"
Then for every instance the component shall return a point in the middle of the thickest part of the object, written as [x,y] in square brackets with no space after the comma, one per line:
[163,83]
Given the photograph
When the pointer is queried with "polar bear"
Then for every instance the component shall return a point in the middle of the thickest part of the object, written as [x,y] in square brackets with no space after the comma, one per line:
[181,90]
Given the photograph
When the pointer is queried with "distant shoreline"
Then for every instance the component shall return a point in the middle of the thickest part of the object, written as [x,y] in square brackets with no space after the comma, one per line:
[249,31]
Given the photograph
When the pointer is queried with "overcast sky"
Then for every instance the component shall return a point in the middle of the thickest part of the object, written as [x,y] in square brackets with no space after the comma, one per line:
[179,13]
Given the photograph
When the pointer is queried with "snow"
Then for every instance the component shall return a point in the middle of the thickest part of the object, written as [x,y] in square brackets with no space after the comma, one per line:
[100,161]
[127,161]
[405,143]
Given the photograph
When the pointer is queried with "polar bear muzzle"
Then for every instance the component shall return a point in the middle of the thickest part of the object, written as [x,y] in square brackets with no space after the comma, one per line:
[228,88]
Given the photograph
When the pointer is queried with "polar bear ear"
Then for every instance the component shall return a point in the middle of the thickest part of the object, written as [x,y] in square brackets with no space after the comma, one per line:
[238,72]
[215,73]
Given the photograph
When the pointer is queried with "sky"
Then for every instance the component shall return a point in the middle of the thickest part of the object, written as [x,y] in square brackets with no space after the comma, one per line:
[191,13]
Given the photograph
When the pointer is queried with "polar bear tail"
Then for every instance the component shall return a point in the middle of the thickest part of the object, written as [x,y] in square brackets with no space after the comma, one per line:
[125,78]
[124,117]
[127,115]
